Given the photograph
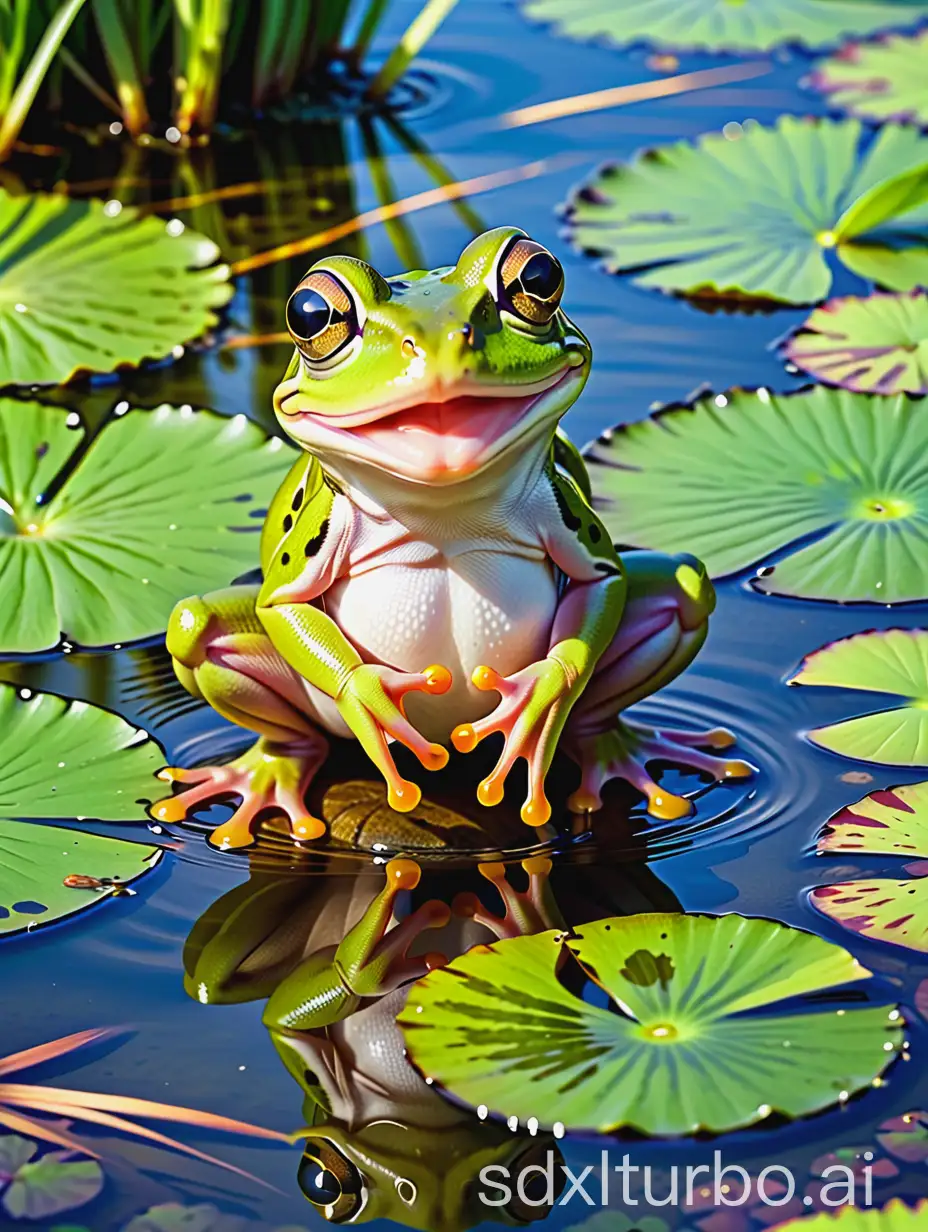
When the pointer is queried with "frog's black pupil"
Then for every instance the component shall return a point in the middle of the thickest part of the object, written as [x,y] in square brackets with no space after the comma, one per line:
[307,313]
[541,276]
[320,1186]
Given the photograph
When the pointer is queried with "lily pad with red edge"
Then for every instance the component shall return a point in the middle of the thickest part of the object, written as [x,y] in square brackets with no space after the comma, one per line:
[695,1039]
[895,1217]
[719,25]
[890,661]
[824,487]
[798,198]
[40,1188]
[882,80]
[873,344]
[906,1137]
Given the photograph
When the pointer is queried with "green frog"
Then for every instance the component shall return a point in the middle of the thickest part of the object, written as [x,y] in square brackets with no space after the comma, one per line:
[434,571]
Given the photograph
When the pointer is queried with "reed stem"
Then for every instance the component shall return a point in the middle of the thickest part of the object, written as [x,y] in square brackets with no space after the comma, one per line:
[417,34]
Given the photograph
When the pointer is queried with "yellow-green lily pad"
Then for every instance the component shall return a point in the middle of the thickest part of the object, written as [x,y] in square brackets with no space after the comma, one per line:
[896,1217]
[882,80]
[90,286]
[823,488]
[891,661]
[872,344]
[161,503]
[764,216]
[696,1038]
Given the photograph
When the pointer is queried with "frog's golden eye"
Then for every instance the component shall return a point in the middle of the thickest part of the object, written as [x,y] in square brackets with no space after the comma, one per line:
[321,316]
[532,282]
[330,1181]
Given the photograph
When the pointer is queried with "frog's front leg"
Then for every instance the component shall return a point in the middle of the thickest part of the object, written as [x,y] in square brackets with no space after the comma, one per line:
[663,626]
[222,654]
[371,961]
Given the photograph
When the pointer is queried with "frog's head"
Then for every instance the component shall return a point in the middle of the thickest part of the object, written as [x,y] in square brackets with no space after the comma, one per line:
[433,375]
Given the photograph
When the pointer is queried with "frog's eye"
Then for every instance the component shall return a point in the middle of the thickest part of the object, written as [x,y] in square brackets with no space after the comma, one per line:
[321,316]
[330,1181]
[532,282]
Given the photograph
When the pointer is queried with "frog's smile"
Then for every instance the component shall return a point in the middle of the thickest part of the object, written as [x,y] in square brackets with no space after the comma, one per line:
[449,435]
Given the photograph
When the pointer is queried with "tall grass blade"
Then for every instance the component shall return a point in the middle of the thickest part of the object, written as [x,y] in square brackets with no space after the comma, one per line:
[16,23]
[121,58]
[202,26]
[417,35]
[397,229]
[370,23]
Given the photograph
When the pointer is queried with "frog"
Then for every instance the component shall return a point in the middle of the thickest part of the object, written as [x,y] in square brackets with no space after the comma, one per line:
[333,957]
[434,570]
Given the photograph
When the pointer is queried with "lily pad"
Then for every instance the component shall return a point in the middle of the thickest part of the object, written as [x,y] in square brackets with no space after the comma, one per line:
[90,286]
[826,482]
[896,1217]
[161,503]
[894,661]
[718,25]
[882,80]
[766,215]
[906,1137]
[39,1188]
[697,1037]
[877,344]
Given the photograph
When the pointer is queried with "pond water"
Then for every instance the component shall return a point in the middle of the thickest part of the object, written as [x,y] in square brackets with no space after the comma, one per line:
[748,848]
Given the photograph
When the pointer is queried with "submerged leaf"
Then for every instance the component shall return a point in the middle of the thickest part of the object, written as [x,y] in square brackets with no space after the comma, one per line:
[758,216]
[892,661]
[737,478]
[882,80]
[877,344]
[498,1028]
[52,1184]
[717,25]
[162,502]
[88,286]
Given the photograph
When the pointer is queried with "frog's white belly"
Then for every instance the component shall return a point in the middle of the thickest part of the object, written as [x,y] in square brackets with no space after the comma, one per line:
[481,607]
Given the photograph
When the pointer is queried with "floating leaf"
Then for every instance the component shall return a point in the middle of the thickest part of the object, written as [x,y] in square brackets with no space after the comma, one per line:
[882,80]
[172,1217]
[160,504]
[717,25]
[758,216]
[86,286]
[877,344]
[896,1217]
[891,823]
[40,1188]
[498,1028]
[906,1137]
[738,478]
[879,909]
[893,661]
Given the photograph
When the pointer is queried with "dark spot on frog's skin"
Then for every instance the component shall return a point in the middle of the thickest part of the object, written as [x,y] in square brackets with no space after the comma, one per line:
[297,499]
[568,517]
[285,558]
[606,569]
[41,450]
[644,968]
[595,533]
[288,523]
[313,545]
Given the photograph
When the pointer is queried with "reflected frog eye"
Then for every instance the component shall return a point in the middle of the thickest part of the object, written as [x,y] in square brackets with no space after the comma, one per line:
[330,1181]
[532,282]
[321,316]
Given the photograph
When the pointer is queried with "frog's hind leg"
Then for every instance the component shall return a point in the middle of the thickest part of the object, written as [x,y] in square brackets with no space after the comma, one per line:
[222,654]
[670,599]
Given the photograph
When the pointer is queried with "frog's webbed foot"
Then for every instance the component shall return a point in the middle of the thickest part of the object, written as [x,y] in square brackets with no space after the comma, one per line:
[533,910]
[625,750]
[269,778]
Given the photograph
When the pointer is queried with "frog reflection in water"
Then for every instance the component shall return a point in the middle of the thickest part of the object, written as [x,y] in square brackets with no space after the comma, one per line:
[380,1142]
[433,569]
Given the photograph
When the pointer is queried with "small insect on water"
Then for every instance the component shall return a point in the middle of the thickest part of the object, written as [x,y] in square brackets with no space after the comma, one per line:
[82,881]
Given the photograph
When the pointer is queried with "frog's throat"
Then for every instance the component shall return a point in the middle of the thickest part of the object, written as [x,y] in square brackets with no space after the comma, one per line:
[451,437]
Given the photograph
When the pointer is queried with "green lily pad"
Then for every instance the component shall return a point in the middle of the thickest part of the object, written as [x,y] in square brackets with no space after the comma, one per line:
[679,1053]
[896,1217]
[893,661]
[90,286]
[741,478]
[882,80]
[39,1188]
[162,503]
[718,25]
[877,344]
[760,216]
[172,1217]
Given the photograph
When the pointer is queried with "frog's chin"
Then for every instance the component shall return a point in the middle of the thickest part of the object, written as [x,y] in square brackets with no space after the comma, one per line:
[443,441]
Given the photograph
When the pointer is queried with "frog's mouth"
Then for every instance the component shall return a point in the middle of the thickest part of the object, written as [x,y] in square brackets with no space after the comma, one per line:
[445,438]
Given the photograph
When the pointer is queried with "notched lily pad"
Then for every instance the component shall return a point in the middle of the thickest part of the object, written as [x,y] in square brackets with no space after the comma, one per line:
[162,502]
[892,822]
[891,661]
[742,477]
[33,1188]
[718,25]
[765,215]
[874,344]
[88,286]
[692,995]
[882,80]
